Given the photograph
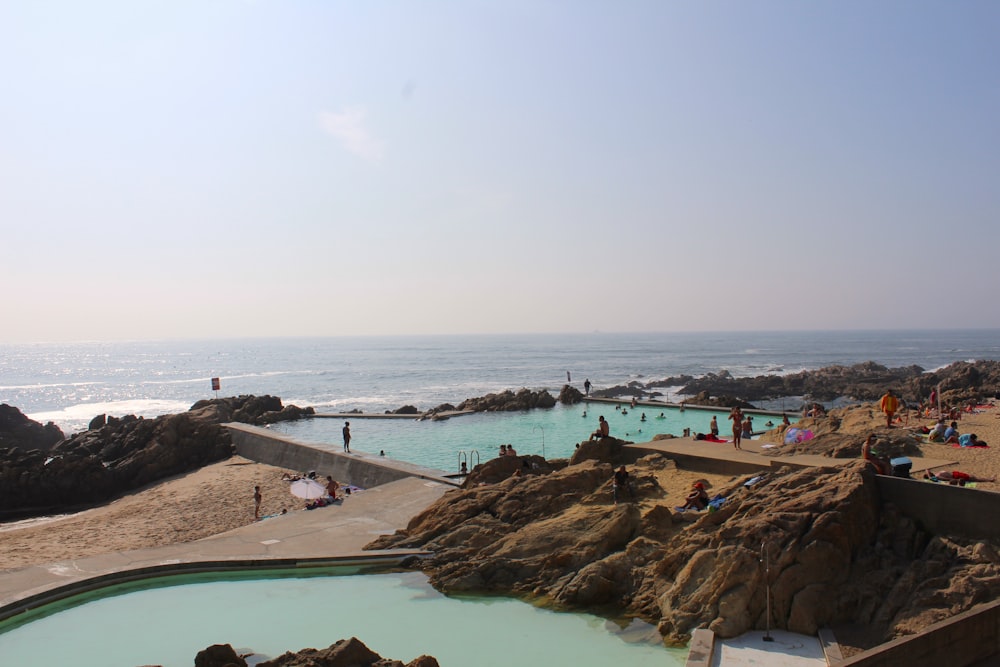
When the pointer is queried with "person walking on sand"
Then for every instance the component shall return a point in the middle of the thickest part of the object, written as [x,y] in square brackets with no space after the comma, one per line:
[736,415]
[347,437]
[889,404]
[257,497]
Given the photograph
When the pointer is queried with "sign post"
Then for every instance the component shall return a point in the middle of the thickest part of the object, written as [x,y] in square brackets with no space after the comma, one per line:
[215,386]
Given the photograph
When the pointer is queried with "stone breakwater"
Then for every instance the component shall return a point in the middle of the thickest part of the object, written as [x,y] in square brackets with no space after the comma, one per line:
[836,555]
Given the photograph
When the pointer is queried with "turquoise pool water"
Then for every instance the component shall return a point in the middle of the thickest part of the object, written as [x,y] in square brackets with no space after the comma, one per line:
[441,444]
[167,620]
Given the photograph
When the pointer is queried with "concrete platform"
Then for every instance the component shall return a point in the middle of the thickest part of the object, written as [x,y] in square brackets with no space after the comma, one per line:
[338,531]
[786,649]
[725,459]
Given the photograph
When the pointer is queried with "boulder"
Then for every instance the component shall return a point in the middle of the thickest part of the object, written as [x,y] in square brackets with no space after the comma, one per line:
[16,430]
[345,653]
[570,395]
[219,655]
[509,401]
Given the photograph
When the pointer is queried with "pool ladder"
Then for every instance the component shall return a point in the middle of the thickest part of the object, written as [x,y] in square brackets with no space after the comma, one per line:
[463,457]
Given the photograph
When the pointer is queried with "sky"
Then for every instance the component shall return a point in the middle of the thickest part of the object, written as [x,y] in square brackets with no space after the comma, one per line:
[232,168]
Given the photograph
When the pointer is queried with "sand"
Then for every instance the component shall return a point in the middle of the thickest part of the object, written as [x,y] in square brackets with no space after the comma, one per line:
[973,460]
[219,497]
[212,500]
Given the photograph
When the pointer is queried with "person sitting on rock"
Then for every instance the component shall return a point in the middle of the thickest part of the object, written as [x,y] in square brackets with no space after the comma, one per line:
[603,429]
[881,463]
[503,450]
[697,499]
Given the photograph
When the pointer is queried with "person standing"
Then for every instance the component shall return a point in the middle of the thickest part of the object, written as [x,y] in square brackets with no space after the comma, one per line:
[586,386]
[737,416]
[257,497]
[568,379]
[714,427]
[347,437]
[889,404]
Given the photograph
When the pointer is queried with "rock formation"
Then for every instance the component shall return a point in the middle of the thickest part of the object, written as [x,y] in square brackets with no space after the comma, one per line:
[126,453]
[345,653]
[960,383]
[507,401]
[834,553]
[16,430]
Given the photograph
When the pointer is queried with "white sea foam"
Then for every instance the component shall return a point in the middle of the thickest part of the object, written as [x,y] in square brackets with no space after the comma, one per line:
[76,417]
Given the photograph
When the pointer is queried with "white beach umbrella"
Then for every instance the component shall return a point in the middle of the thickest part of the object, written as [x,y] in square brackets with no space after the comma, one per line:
[308,489]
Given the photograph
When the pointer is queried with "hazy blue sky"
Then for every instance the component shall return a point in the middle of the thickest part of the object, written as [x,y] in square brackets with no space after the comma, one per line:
[238,168]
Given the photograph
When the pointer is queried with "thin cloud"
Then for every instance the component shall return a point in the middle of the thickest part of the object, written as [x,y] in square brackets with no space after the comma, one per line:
[348,127]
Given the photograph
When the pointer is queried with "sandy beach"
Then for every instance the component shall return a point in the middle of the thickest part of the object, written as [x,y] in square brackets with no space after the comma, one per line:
[208,501]
[980,462]
[219,498]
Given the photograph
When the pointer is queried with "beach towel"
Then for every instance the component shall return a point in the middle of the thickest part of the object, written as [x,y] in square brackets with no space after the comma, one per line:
[715,503]
[965,440]
[794,435]
[714,438]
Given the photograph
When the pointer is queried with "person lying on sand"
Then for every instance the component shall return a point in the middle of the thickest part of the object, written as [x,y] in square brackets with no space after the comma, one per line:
[955,477]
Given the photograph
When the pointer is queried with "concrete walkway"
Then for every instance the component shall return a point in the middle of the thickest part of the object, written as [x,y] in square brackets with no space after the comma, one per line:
[336,531]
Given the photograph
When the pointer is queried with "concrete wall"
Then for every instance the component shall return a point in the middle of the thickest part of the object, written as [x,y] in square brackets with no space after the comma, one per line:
[944,509]
[963,640]
[364,470]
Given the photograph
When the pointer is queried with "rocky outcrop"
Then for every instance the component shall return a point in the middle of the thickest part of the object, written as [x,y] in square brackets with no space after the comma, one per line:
[126,453]
[16,430]
[509,401]
[570,395]
[345,653]
[960,383]
[256,410]
[834,554]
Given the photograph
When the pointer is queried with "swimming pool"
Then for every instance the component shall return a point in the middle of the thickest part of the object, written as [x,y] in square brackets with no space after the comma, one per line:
[167,620]
[552,432]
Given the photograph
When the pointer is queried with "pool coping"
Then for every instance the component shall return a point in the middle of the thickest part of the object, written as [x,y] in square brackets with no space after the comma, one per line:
[49,596]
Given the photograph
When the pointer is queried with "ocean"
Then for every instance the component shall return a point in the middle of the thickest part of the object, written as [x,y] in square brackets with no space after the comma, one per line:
[70,383]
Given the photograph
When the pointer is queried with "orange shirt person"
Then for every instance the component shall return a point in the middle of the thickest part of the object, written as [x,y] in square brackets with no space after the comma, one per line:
[889,404]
